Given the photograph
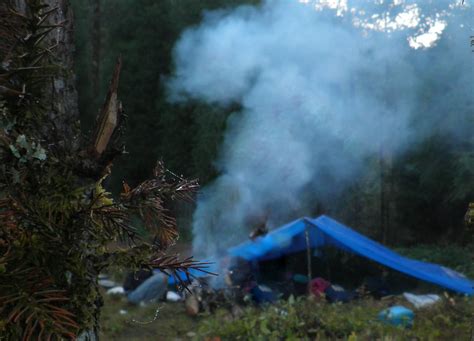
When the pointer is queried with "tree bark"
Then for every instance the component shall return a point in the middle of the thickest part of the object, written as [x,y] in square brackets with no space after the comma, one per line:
[60,95]
[96,45]
[63,94]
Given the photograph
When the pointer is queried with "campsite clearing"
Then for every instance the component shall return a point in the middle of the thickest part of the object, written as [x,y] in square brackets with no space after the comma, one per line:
[301,318]
[290,319]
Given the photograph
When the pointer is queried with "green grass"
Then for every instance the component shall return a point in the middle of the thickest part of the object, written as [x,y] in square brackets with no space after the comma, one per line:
[158,321]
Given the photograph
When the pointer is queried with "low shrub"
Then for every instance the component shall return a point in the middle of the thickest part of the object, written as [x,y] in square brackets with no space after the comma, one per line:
[310,319]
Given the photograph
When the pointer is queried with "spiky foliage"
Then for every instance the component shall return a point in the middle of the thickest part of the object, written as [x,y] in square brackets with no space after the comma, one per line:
[56,218]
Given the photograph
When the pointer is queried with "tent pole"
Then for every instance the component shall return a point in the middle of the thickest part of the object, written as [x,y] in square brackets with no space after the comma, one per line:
[308,257]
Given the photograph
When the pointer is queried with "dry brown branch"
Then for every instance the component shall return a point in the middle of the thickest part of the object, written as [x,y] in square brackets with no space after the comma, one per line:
[109,116]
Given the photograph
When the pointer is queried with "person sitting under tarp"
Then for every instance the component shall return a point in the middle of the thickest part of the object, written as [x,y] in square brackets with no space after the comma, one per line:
[148,285]
[144,286]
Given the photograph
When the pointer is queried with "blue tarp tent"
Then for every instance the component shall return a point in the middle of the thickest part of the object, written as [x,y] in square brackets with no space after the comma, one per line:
[322,231]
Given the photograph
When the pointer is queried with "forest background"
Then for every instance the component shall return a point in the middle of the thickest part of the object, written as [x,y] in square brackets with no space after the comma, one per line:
[419,197]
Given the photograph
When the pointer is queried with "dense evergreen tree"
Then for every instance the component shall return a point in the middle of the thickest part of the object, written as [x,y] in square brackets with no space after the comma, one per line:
[56,219]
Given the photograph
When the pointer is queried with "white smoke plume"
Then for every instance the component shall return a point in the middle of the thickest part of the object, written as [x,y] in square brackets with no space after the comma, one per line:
[321,88]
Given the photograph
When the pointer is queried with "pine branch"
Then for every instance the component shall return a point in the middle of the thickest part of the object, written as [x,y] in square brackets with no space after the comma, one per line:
[171,265]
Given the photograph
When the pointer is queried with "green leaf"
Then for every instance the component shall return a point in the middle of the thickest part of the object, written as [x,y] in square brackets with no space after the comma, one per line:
[264,329]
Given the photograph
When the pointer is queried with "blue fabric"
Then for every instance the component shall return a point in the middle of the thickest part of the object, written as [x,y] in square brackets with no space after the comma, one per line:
[192,272]
[333,295]
[290,238]
[259,296]
[287,239]
[398,316]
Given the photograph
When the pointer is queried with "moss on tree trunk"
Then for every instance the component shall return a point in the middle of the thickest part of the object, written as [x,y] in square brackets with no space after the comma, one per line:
[56,218]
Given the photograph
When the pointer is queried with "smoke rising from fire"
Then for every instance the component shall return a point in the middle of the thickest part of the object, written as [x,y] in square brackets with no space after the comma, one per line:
[320,91]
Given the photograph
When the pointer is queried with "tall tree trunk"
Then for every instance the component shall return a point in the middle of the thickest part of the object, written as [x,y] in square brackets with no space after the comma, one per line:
[96,39]
[64,104]
[61,94]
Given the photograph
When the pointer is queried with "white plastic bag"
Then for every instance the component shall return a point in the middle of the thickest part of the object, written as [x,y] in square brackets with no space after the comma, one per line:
[420,301]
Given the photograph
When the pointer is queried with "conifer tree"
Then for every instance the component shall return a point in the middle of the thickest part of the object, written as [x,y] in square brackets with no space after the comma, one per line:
[56,218]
